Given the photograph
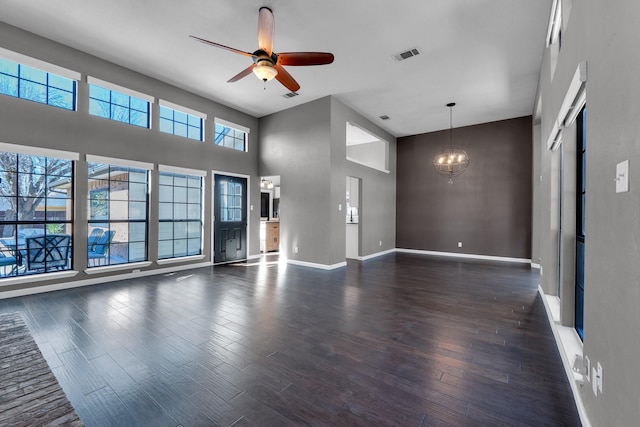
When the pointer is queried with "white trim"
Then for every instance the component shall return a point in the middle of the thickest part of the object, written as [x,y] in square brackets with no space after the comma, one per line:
[536,266]
[36,278]
[566,338]
[553,30]
[555,138]
[223,122]
[179,259]
[185,171]
[97,281]
[580,101]
[375,255]
[351,159]
[573,94]
[255,256]
[471,256]
[118,267]
[41,65]
[37,151]
[117,88]
[168,104]
[119,162]
[314,265]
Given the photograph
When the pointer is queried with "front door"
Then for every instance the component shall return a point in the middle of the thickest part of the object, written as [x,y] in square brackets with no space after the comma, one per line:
[230,219]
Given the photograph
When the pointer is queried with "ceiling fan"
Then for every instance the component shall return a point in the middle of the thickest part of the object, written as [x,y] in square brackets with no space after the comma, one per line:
[268,64]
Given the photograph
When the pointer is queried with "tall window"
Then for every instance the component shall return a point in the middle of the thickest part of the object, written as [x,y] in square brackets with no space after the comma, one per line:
[118,213]
[230,136]
[36,214]
[180,227]
[581,187]
[121,104]
[181,121]
[23,81]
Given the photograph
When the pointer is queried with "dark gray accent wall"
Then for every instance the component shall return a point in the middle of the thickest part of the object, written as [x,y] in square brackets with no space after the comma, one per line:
[488,208]
[28,123]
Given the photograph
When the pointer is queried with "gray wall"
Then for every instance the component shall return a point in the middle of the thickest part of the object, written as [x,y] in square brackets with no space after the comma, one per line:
[306,146]
[488,208]
[604,34]
[28,123]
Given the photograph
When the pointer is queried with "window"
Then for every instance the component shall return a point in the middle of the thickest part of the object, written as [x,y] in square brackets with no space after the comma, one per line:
[230,201]
[118,211]
[23,81]
[180,215]
[230,135]
[36,212]
[181,121]
[118,103]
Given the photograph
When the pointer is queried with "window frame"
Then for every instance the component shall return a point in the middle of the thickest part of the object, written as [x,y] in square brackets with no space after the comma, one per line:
[187,173]
[188,111]
[125,166]
[120,90]
[50,70]
[231,126]
[68,222]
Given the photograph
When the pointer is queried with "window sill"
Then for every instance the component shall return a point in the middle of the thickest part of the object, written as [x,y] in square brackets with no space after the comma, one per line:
[38,277]
[118,267]
[180,259]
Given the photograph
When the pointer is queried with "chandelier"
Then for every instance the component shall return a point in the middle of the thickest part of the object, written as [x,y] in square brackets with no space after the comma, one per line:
[451,162]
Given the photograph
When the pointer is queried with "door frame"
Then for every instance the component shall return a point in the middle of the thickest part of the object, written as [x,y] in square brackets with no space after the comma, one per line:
[213,211]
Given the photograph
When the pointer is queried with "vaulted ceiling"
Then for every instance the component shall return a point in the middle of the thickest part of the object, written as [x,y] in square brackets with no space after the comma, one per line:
[482,54]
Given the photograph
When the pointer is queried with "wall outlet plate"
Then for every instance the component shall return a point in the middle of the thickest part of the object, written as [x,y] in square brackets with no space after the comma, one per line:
[599,382]
[587,367]
[622,177]
[594,383]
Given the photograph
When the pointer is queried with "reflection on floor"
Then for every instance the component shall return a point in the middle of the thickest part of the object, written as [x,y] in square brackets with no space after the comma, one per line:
[402,339]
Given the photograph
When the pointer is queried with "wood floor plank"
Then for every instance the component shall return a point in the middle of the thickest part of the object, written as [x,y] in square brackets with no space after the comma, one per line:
[402,339]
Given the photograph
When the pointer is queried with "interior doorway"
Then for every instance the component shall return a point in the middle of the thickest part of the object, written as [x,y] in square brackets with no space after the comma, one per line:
[270,214]
[353,215]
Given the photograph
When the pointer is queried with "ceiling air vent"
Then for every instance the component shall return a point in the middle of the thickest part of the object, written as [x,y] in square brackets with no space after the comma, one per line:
[385,117]
[290,95]
[406,54]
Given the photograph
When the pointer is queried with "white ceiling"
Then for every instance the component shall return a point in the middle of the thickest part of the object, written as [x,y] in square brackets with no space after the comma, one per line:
[482,54]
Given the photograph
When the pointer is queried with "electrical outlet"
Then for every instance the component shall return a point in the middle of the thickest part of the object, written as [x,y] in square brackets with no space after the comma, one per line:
[251,207]
[380,242]
[541,271]
[295,250]
[339,207]
[459,244]
[594,382]
[137,270]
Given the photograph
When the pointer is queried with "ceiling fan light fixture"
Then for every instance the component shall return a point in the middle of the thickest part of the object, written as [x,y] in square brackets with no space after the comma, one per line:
[265,72]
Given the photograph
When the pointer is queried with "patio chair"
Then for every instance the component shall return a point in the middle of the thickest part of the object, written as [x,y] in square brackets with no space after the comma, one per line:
[93,238]
[50,252]
[7,259]
[101,250]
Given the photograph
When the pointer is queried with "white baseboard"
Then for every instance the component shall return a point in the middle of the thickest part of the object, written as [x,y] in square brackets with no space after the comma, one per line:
[468,256]
[314,265]
[98,280]
[375,255]
[536,266]
[565,338]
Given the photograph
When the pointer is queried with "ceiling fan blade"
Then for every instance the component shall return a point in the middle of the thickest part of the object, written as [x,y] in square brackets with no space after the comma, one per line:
[285,78]
[242,74]
[266,26]
[221,46]
[305,58]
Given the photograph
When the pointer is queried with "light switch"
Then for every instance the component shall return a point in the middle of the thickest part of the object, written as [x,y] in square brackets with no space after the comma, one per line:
[622,177]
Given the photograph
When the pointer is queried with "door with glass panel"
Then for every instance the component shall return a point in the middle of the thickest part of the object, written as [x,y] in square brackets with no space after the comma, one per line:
[230,219]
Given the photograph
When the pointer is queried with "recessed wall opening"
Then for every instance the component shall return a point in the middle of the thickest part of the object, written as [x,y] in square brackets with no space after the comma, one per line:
[365,148]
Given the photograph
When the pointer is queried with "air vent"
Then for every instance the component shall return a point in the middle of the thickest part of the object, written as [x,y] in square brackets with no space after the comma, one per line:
[406,54]
[385,117]
[290,95]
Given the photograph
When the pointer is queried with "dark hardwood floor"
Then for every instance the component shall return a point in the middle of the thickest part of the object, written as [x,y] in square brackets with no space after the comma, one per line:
[401,340]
